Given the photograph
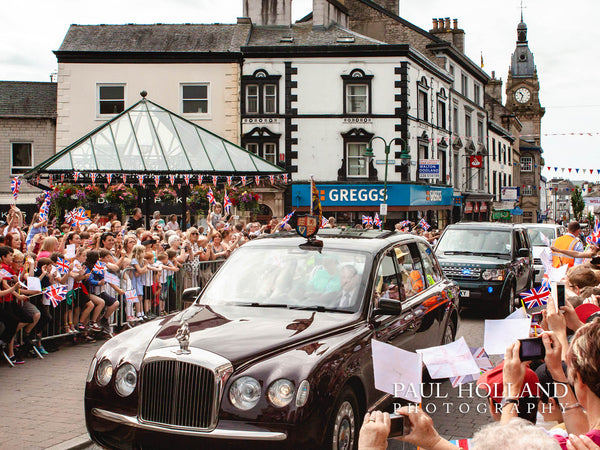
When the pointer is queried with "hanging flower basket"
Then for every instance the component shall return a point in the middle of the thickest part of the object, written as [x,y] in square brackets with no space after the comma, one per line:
[165,195]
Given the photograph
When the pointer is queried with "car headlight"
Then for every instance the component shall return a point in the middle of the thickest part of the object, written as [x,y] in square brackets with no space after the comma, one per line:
[104,373]
[281,392]
[244,393]
[303,391]
[494,274]
[125,380]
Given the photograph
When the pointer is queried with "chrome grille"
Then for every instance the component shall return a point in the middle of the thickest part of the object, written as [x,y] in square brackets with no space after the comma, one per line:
[537,261]
[459,273]
[177,393]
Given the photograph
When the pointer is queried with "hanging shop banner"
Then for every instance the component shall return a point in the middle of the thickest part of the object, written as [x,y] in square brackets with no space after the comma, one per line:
[509,194]
[429,168]
[500,215]
[468,207]
[476,207]
[373,195]
[592,200]
[476,161]
[483,207]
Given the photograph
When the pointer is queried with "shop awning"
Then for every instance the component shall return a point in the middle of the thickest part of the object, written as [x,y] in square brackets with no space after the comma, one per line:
[149,139]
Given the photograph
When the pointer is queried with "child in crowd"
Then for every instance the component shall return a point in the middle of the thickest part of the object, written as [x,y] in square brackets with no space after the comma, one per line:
[168,268]
[138,276]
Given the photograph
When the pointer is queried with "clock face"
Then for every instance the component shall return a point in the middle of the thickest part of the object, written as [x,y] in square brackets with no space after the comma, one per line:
[522,95]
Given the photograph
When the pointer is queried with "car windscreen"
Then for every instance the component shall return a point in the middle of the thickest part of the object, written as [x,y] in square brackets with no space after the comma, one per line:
[475,242]
[290,277]
[536,239]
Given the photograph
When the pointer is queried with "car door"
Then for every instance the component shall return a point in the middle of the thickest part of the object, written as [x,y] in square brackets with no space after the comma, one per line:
[521,263]
[397,330]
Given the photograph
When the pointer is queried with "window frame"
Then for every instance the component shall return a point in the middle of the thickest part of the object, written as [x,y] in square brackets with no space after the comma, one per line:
[427,253]
[526,161]
[259,78]
[20,169]
[256,97]
[357,77]
[260,137]
[359,157]
[99,100]
[182,100]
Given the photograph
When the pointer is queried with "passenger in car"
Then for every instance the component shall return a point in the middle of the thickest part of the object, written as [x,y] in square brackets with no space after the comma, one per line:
[413,280]
[349,284]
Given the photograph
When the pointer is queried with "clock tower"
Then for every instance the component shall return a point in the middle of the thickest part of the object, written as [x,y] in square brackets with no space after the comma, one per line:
[523,87]
[522,100]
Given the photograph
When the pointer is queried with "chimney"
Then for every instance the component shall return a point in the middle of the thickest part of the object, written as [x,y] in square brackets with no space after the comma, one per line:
[455,25]
[494,88]
[326,13]
[269,12]
[435,24]
[447,23]
[443,29]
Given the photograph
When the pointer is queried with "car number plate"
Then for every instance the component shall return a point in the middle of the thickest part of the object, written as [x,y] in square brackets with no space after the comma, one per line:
[465,293]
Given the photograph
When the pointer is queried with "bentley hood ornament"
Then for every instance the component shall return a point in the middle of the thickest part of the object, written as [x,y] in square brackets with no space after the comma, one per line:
[183,336]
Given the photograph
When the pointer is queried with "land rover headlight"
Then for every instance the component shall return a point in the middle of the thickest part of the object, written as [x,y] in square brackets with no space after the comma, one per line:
[104,373]
[244,393]
[281,392]
[493,274]
[125,380]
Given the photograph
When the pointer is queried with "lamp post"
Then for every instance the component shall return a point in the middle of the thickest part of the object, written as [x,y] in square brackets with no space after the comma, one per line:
[404,156]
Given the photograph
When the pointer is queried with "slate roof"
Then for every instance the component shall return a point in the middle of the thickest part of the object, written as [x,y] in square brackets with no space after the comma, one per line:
[27,99]
[156,38]
[304,34]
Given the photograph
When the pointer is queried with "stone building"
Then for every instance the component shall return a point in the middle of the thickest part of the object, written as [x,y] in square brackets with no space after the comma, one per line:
[522,100]
[27,135]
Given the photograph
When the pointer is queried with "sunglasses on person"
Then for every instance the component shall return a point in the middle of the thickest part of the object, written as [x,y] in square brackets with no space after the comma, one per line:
[194,232]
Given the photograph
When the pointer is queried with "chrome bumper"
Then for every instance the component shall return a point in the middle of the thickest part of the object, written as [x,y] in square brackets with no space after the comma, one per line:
[217,433]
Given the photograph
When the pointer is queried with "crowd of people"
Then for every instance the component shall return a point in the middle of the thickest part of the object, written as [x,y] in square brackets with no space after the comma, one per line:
[551,403]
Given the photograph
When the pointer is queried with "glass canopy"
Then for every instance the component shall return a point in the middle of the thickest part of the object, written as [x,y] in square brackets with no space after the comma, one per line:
[147,138]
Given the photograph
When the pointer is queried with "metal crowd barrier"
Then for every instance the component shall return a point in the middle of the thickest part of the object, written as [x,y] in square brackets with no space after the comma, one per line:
[54,320]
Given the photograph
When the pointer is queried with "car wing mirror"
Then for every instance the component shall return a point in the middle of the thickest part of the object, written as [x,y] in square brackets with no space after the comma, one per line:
[524,252]
[388,307]
[190,294]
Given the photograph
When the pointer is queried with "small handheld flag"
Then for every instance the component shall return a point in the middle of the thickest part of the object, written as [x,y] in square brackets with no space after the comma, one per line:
[15,184]
[324,222]
[377,221]
[287,218]
[62,265]
[211,197]
[367,220]
[423,224]
[535,297]
[55,294]
[226,202]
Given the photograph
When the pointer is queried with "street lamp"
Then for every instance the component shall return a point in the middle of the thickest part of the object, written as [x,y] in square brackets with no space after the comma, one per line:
[404,157]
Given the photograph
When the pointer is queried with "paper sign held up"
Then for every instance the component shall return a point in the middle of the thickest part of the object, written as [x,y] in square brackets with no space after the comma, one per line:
[499,334]
[397,372]
[450,360]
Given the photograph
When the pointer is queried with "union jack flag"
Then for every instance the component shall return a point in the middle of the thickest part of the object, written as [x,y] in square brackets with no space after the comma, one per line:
[423,223]
[483,361]
[405,223]
[377,221]
[186,177]
[62,177]
[99,268]
[229,180]
[546,281]
[55,294]
[324,222]
[367,220]
[215,179]
[50,182]
[124,177]
[285,178]
[62,265]
[211,197]
[131,296]
[244,180]
[172,179]
[5,274]
[535,297]
[108,177]
[93,177]
[76,175]
[200,177]
[156,180]
[80,217]
[287,218]
[14,186]
[226,202]
[594,237]
[272,179]
[257,179]
[141,179]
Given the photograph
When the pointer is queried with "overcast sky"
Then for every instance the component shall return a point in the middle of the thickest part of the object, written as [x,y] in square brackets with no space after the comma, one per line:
[563,37]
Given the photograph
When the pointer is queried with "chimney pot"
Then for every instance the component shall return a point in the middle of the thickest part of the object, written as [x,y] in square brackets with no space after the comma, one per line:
[435,24]
[447,23]
[455,24]
[441,24]
[493,74]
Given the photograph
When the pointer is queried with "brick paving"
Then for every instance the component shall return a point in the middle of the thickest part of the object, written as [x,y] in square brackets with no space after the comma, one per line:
[42,400]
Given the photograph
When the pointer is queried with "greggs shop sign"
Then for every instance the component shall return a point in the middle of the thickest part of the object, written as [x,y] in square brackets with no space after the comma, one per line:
[372,195]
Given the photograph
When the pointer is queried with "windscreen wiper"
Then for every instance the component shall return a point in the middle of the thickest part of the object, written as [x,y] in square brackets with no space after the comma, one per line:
[320,308]
[457,252]
[261,305]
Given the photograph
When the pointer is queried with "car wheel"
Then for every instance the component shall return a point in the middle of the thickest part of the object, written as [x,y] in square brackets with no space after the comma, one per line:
[449,333]
[507,305]
[345,422]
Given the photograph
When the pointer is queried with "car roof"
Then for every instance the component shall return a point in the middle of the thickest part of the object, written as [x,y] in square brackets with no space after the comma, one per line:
[540,225]
[335,238]
[483,225]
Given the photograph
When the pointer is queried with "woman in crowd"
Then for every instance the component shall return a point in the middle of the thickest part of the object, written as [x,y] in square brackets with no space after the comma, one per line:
[172,223]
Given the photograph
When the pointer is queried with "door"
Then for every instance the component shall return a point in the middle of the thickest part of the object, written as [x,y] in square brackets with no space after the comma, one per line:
[521,263]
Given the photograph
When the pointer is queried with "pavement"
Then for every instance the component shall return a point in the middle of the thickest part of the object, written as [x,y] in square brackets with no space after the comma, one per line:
[42,400]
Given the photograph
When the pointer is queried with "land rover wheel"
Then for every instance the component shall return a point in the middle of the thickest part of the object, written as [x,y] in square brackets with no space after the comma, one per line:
[344,425]
[507,305]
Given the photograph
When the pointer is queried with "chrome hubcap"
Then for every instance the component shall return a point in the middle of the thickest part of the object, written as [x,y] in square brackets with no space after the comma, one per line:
[343,431]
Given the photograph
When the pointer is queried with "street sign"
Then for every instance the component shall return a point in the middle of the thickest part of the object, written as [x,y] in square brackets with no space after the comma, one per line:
[509,194]
[383,209]
[500,215]
[391,162]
